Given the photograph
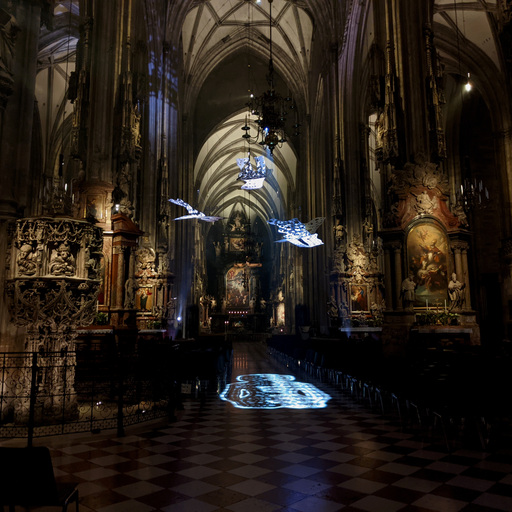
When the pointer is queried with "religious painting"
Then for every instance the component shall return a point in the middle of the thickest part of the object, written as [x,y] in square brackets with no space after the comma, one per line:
[237,221]
[359,298]
[237,284]
[427,258]
[236,244]
[144,298]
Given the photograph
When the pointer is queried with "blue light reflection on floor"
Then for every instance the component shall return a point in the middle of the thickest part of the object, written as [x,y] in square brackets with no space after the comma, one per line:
[273,391]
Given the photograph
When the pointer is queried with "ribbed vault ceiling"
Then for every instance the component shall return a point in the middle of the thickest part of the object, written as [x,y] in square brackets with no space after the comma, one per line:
[471,24]
[226,48]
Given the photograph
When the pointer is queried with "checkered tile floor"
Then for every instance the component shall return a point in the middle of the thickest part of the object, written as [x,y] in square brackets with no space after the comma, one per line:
[220,458]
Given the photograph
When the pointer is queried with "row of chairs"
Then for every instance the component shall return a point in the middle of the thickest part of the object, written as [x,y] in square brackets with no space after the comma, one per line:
[421,412]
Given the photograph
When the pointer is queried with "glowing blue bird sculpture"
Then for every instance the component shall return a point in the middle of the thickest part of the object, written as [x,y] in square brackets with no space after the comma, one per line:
[297,233]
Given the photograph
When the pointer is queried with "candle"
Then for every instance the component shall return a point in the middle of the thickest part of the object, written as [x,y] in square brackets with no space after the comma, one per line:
[427,304]
[445,305]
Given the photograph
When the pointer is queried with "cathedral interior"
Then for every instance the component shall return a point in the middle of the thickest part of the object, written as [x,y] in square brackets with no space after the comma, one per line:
[385,124]
[329,174]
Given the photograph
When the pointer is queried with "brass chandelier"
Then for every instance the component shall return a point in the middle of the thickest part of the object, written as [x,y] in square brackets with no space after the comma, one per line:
[270,110]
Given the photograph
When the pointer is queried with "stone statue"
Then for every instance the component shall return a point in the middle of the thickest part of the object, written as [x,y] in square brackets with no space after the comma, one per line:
[339,231]
[26,263]
[408,291]
[367,227]
[380,130]
[458,211]
[129,293]
[456,292]
[62,262]
[332,308]
[90,264]
[8,32]
[135,127]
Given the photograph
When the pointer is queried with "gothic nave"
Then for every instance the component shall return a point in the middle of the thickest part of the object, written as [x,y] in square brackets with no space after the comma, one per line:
[178,175]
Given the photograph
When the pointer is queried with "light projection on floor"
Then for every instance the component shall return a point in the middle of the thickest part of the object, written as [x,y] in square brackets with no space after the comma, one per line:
[253,178]
[297,233]
[193,213]
[273,391]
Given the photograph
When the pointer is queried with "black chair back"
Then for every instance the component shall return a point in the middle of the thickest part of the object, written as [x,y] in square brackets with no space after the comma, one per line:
[27,478]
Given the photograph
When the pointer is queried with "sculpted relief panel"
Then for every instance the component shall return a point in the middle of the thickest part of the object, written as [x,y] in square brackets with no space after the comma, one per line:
[52,273]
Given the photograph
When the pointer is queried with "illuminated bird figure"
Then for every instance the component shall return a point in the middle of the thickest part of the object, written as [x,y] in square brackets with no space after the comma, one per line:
[192,213]
[297,233]
[253,178]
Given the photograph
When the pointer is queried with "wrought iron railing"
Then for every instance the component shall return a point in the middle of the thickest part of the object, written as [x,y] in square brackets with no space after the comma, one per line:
[48,393]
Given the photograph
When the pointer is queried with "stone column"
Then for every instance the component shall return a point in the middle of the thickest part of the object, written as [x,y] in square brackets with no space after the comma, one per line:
[458,262]
[506,289]
[465,270]
[52,283]
[20,27]
[460,258]
[397,250]
[119,273]
[17,75]
[388,286]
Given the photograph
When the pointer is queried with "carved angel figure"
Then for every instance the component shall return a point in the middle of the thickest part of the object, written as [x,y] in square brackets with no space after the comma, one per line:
[424,204]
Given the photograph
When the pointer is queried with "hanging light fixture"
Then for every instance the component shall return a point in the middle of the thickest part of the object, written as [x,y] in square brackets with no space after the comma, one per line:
[468,85]
[270,110]
[473,194]
[253,178]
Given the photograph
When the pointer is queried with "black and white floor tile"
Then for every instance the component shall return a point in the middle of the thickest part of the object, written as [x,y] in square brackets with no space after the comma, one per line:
[220,458]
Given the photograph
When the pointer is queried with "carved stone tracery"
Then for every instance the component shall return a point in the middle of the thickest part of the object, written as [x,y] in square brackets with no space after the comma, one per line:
[52,287]
[54,282]
[359,262]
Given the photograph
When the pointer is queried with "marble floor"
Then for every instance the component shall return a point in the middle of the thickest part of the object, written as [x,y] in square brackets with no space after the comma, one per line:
[217,457]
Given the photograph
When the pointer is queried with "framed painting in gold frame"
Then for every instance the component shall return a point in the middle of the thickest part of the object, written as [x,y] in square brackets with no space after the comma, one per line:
[359,298]
[144,299]
[236,244]
[427,261]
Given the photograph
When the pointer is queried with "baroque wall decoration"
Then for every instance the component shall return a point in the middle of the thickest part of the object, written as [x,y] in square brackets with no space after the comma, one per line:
[419,189]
